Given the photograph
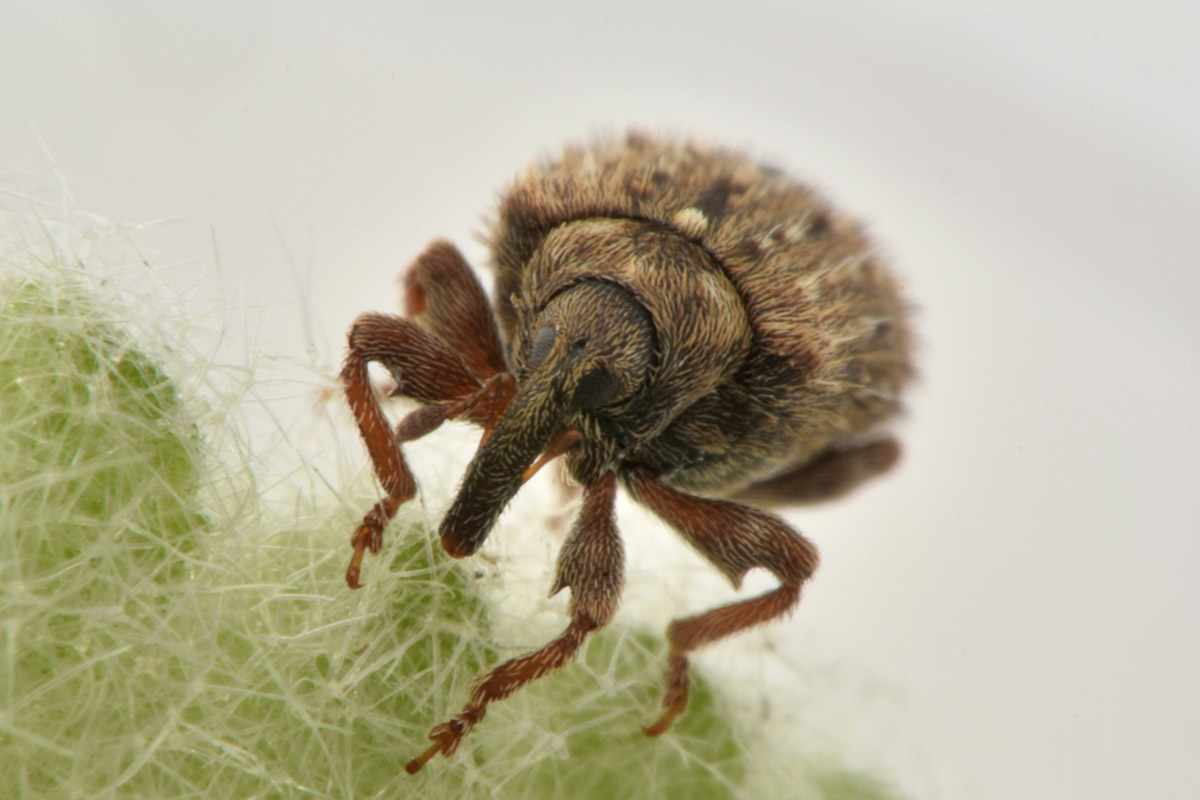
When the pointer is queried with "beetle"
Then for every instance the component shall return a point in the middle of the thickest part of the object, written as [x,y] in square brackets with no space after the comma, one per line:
[675,318]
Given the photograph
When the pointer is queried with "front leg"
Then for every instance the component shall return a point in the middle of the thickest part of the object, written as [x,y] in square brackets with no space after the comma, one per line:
[427,370]
[735,538]
[455,368]
[591,563]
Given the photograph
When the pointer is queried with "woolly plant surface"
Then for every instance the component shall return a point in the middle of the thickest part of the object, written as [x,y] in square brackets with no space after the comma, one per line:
[165,634]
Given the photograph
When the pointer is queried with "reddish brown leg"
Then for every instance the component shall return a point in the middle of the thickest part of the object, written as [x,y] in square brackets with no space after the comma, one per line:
[427,370]
[394,475]
[831,474]
[735,538]
[591,563]
[442,292]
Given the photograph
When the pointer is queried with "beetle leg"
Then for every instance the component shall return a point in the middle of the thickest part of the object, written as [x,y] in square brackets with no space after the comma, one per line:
[735,538]
[483,407]
[591,563]
[427,370]
[492,404]
[830,474]
[425,367]
[442,290]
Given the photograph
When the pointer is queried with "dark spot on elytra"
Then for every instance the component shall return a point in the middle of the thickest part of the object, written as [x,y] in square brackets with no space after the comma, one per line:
[819,224]
[749,249]
[713,200]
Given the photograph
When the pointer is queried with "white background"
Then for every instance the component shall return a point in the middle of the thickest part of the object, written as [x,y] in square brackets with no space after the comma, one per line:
[1023,588]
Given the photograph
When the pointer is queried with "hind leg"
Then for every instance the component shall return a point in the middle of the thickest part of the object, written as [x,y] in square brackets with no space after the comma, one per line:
[442,294]
[829,475]
[735,538]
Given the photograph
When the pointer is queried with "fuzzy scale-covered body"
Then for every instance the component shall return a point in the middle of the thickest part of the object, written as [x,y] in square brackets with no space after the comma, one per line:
[780,336]
[675,320]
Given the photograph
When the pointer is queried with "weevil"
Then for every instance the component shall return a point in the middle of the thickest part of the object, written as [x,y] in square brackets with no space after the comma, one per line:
[675,318]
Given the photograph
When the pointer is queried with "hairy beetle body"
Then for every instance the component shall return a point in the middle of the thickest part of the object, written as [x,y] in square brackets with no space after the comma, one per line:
[787,337]
[678,319]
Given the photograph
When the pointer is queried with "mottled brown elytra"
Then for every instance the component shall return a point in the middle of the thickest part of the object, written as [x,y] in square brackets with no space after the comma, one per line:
[677,318]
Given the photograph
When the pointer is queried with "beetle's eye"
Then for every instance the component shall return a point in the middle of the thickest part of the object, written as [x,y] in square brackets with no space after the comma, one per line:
[543,343]
[596,388]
